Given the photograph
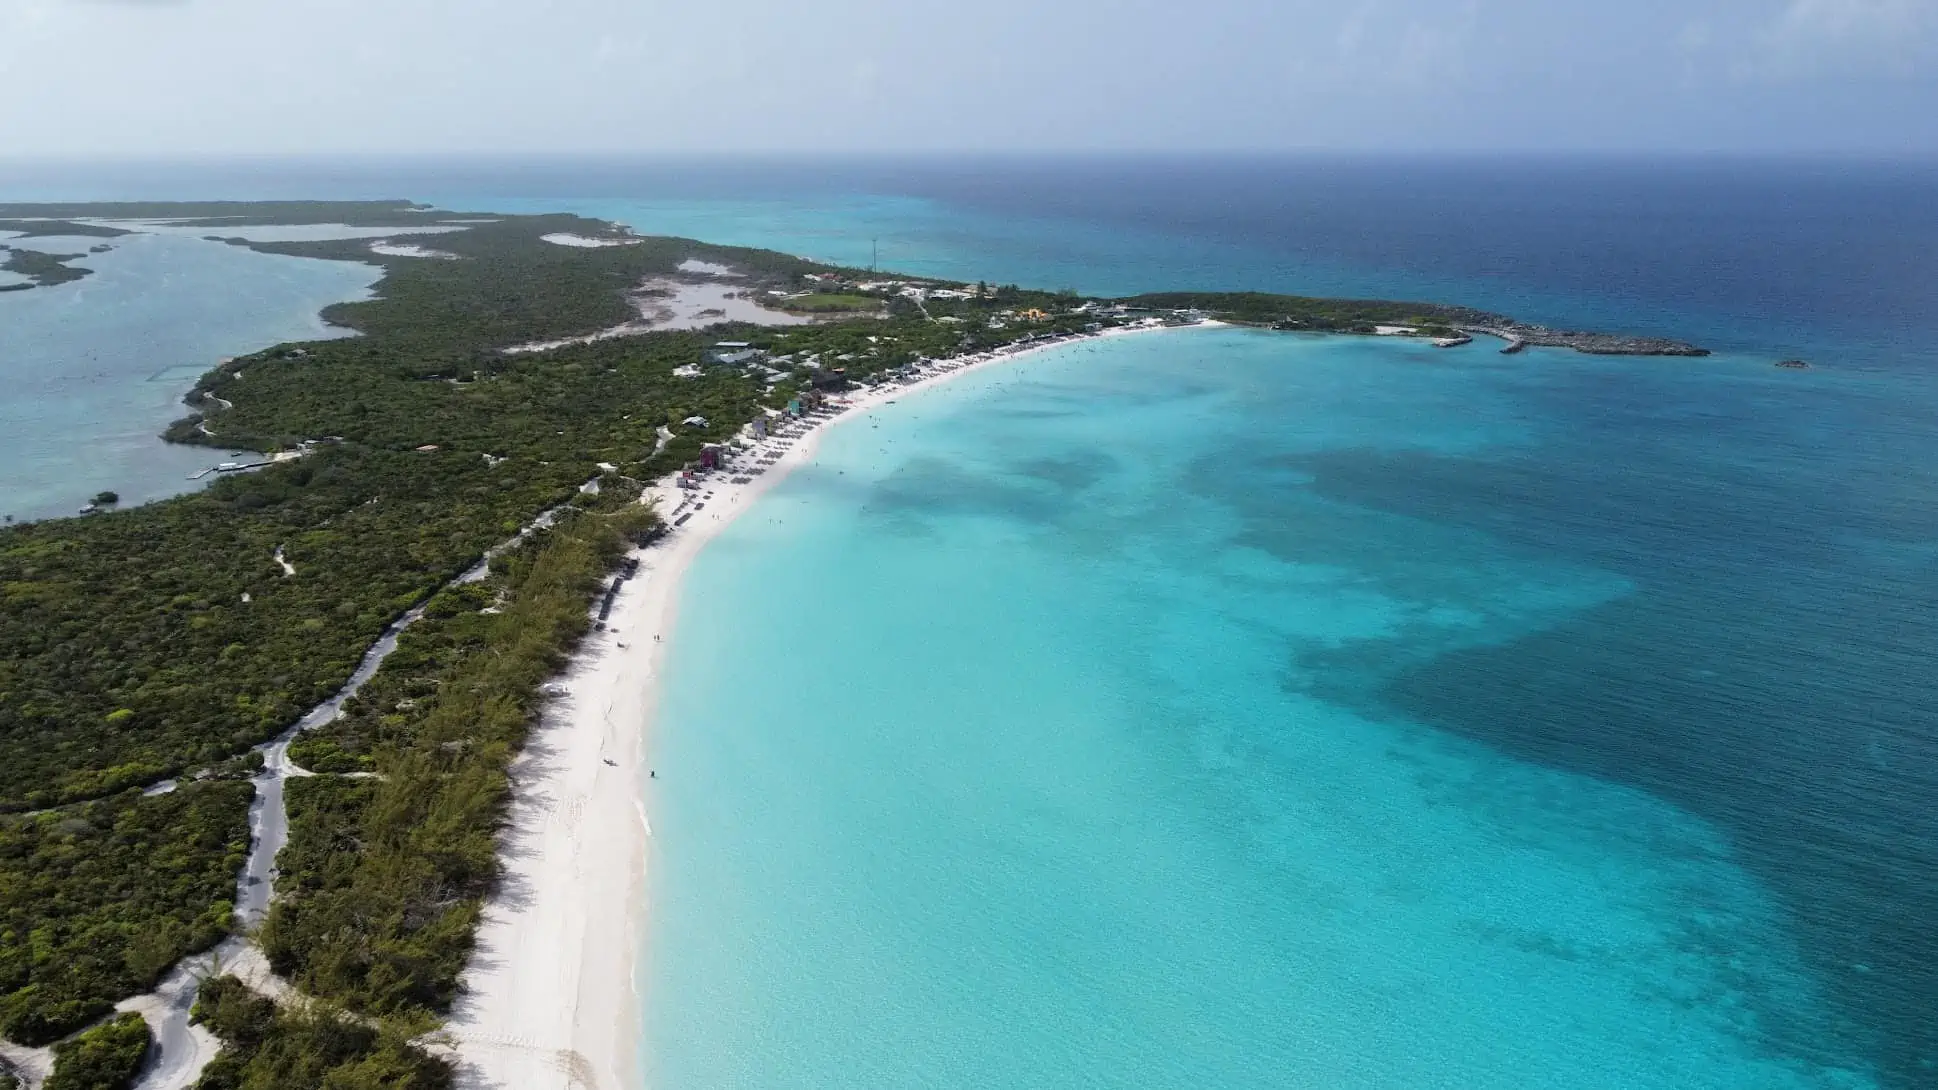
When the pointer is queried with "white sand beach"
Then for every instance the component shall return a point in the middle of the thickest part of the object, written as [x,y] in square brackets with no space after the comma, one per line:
[550,1000]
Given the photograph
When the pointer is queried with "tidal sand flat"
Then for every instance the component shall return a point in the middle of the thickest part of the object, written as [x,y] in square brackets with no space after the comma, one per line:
[1042,732]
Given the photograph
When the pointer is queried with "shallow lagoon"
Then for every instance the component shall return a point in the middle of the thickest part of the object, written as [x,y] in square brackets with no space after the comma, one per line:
[91,371]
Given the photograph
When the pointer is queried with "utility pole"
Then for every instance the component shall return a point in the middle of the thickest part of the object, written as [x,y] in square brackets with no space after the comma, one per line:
[874,254]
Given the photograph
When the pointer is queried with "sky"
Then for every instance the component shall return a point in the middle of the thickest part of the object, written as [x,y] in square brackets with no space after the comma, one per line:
[197,77]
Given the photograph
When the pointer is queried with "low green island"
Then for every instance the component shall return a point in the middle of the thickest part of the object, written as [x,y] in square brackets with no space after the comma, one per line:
[148,652]
[41,269]
[44,269]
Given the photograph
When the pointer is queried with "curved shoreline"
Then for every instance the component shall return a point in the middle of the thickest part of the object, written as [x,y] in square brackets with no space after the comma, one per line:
[550,999]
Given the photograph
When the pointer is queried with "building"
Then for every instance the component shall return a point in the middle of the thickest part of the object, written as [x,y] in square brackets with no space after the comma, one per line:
[732,353]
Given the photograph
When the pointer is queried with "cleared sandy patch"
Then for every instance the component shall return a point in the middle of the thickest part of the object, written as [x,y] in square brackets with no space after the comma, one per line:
[678,304]
[682,305]
[585,242]
[405,249]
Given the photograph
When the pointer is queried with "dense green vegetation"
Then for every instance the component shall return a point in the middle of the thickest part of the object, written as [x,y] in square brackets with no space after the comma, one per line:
[127,651]
[383,878]
[107,1057]
[56,228]
[140,643]
[1320,315]
[509,287]
[586,404]
[269,1048]
[98,900]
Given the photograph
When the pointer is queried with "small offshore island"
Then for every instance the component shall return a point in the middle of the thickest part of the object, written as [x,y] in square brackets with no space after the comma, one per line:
[257,742]
[44,269]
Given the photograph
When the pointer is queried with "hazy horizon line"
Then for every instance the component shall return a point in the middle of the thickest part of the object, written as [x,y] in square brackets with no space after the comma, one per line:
[994,154]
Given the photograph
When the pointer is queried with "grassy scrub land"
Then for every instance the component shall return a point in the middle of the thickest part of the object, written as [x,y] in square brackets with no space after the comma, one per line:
[829,303]
[163,642]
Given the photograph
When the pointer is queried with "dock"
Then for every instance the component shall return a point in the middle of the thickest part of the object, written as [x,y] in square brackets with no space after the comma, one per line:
[231,467]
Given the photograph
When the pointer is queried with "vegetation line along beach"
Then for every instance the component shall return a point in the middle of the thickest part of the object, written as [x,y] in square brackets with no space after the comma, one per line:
[148,655]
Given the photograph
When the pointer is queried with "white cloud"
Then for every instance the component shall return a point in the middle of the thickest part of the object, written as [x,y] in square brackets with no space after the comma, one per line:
[1814,37]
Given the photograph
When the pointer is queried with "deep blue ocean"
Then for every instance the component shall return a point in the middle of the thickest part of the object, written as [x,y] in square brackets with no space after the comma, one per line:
[1228,709]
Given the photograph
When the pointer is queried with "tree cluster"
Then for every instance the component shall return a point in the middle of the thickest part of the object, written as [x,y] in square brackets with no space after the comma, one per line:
[107,1057]
[265,1047]
[98,900]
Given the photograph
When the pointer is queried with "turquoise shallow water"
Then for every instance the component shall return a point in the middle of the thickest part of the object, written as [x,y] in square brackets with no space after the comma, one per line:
[96,368]
[1002,747]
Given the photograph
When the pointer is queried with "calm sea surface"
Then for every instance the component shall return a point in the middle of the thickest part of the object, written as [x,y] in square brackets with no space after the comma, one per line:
[1227,709]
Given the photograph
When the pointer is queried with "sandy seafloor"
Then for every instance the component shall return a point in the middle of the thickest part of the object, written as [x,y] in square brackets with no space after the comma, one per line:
[1036,735]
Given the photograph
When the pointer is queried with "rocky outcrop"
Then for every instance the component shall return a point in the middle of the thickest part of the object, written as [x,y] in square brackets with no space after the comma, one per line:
[1519,336]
